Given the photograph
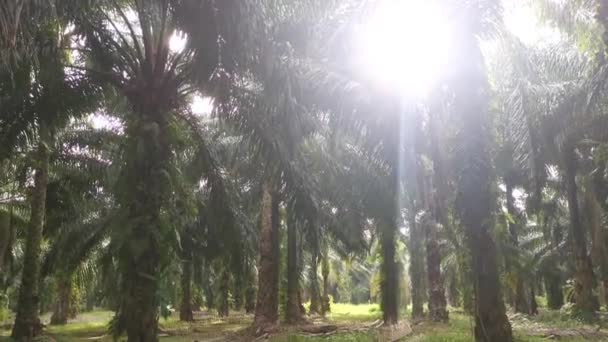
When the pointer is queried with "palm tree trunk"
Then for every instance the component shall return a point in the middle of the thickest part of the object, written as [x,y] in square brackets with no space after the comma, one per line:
[390,280]
[249,288]
[510,292]
[140,253]
[533,303]
[521,302]
[454,297]
[315,294]
[439,209]
[207,288]
[437,300]
[27,323]
[5,240]
[599,242]
[139,303]
[491,321]
[185,309]
[237,294]
[605,285]
[520,298]
[61,311]
[250,299]
[198,301]
[555,296]
[223,308]
[325,273]
[416,268]
[436,287]
[276,242]
[292,312]
[266,309]
[237,288]
[475,194]
[585,301]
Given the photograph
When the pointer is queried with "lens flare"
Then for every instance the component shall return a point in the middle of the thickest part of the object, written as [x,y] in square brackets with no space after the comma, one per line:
[404,45]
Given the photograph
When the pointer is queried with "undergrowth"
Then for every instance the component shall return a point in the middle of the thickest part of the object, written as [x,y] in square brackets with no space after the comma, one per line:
[459,329]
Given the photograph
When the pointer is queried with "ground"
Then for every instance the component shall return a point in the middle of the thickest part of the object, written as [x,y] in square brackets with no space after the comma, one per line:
[353,322]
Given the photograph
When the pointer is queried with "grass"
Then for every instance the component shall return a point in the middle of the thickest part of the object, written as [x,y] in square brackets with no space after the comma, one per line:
[460,328]
[87,324]
[208,326]
[351,313]
[355,337]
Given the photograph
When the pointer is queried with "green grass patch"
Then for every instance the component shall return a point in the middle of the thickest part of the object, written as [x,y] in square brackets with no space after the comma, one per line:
[358,337]
[86,325]
[351,313]
[458,330]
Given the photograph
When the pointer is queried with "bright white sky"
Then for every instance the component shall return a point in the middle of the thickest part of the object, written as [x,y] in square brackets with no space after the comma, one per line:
[421,28]
[200,105]
[521,20]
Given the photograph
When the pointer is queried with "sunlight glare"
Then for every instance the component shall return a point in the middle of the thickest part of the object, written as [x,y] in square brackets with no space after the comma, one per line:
[201,105]
[405,45]
[177,42]
[520,19]
[102,121]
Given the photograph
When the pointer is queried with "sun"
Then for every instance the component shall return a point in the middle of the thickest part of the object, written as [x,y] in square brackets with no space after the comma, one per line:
[404,45]
[177,42]
[201,105]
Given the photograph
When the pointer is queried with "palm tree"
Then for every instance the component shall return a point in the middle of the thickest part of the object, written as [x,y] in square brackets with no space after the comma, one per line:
[133,55]
[475,200]
[27,324]
[50,103]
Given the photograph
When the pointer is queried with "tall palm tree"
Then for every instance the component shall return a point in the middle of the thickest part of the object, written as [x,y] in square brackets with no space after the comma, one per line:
[475,179]
[27,324]
[53,99]
[128,47]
